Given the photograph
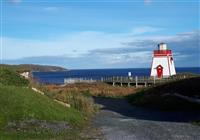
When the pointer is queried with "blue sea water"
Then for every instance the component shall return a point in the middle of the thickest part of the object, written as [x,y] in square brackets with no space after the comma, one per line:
[58,77]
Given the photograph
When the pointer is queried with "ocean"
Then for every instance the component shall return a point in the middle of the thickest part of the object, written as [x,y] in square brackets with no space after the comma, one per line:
[96,74]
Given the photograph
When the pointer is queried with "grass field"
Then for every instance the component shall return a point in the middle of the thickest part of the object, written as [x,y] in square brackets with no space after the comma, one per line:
[19,103]
[25,114]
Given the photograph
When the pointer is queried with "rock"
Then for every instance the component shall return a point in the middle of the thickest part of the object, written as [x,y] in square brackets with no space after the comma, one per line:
[38,91]
[62,103]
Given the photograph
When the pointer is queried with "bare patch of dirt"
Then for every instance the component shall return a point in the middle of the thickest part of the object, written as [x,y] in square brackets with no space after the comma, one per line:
[37,125]
[92,133]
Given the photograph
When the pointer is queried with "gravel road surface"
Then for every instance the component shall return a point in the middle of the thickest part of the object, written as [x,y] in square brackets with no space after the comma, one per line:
[118,120]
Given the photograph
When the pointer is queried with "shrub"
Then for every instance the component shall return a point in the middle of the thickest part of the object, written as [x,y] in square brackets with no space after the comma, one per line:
[10,77]
[80,101]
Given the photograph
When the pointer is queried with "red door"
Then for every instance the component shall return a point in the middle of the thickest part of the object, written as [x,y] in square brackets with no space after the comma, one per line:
[159,69]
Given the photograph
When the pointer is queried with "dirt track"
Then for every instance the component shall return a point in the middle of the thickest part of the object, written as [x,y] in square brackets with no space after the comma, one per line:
[118,120]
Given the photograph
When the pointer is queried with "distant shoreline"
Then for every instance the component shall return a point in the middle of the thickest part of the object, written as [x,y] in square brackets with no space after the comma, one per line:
[33,68]
[57,77]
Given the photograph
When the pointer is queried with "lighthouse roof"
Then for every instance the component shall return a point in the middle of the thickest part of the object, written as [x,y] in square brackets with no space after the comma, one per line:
[161,43]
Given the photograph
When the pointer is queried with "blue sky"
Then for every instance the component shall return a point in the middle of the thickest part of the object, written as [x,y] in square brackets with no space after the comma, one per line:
[98,34]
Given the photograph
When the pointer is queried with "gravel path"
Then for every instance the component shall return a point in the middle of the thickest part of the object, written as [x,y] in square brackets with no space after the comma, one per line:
[119,120]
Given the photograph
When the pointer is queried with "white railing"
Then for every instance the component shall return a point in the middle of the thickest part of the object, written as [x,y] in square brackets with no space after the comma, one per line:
[78,80]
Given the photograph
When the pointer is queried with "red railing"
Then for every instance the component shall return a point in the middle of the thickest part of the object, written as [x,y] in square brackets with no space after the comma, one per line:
[162,52]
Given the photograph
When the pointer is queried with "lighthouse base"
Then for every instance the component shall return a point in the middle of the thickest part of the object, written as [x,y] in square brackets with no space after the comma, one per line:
[162,67]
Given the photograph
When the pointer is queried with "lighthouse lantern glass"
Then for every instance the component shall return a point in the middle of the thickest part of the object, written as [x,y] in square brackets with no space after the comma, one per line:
[162,46]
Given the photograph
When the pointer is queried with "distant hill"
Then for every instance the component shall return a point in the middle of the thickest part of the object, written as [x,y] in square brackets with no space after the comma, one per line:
[32,67]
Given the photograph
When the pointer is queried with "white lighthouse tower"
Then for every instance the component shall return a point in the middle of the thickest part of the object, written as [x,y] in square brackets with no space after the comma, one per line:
[162,62]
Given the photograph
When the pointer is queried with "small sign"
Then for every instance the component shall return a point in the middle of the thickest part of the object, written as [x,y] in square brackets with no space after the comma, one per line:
[129,74]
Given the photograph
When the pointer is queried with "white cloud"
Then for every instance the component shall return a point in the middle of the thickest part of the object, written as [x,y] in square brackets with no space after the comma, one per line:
[147,2]
[145,29]
[180,56]
[73,44]
[129,57]
[80,43]
[94,48]
[50,8]
[16,1]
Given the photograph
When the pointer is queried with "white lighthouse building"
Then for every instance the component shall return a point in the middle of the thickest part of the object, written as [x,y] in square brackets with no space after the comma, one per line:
[162,62]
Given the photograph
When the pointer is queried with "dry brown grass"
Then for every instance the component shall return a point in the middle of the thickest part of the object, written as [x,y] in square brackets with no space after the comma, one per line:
[79,95]
[95,89]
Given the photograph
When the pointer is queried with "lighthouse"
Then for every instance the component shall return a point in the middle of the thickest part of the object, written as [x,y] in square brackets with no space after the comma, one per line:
[162,62]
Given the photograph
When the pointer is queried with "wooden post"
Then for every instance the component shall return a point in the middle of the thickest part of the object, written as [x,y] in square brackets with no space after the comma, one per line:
[145,84]
[121,84]
[136,81]
[154,80]
[113,83]
[128,84]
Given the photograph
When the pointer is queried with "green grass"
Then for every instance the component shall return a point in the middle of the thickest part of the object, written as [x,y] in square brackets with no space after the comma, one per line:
[66,135]
[22,103]
[11,77]
[18,103]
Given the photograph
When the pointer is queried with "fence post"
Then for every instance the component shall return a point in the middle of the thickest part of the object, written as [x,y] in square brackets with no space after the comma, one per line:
[136,81]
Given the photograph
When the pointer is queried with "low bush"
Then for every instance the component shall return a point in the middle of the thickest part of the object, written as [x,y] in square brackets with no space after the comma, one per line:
[80,101]
[10,77]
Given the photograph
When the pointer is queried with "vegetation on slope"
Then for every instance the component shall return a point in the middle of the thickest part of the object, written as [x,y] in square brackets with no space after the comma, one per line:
[25,114]
[19,104]
[22,103]
[10,77]
[81,100]
[32,67]
[161,96]
[79,95]
[94,89]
